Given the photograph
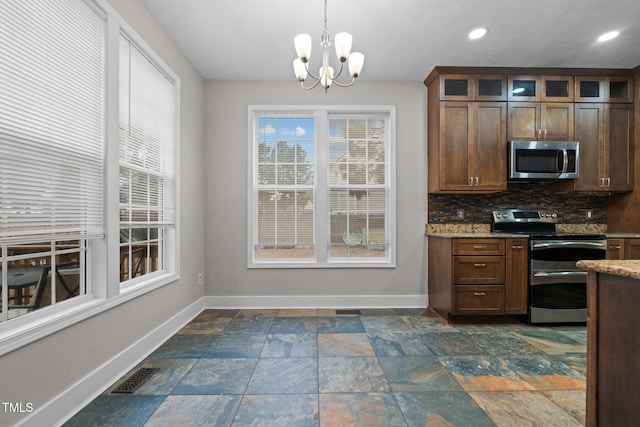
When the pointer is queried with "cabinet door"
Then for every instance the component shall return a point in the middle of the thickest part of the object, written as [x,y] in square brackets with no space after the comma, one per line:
[454,171]
[524,121]
[489,148]
[557,89]
[589,89]
[456,87]
[618,89]
[590,132]
[556,121]
[517,276]
[490,88]
[524,88]
[632,249]
[618,174]
[615,249]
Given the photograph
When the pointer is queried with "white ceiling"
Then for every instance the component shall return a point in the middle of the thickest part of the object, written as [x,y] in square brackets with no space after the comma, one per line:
[402,40]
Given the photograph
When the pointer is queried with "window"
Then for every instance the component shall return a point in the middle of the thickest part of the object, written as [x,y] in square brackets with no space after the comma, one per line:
[70,72]
[147,187]
[322,188]
[51,150]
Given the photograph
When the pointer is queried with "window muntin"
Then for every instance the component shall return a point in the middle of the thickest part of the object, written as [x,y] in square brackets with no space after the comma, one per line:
[344,216]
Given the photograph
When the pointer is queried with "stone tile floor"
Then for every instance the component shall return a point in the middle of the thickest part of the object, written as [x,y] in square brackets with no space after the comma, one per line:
[391,367]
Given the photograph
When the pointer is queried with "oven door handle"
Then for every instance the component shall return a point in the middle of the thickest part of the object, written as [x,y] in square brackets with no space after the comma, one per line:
[569,244]
[560,274]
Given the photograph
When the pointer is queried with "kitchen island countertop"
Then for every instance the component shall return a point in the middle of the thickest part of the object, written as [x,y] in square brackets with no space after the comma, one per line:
[625,268]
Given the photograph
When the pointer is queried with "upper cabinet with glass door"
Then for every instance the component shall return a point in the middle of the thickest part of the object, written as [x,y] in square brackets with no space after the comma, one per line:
[541,88]
[467,87]
[604,89]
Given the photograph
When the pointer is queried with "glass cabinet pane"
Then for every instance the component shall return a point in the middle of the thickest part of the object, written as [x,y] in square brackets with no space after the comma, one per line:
[619,89]
[557,89]
[490,87]
[523,88]
[589,89]
[456,87]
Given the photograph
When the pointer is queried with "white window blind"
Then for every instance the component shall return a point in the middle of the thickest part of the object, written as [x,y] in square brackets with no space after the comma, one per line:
[147,147]
[359,186]
[51,119]
[284,193]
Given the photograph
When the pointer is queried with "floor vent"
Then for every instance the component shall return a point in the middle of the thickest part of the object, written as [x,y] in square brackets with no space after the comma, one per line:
[136,379]
[348,312]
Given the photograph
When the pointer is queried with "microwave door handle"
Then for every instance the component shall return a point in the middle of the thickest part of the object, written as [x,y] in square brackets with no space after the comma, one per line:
[565,161]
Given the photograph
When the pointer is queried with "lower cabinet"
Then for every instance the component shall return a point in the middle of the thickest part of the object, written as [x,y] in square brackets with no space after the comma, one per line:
[623,248]
[469,276]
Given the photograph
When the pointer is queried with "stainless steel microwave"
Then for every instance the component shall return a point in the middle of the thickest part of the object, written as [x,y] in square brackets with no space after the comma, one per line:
[544,159]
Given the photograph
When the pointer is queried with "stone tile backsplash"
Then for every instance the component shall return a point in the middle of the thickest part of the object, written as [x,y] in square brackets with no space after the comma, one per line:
[571,208]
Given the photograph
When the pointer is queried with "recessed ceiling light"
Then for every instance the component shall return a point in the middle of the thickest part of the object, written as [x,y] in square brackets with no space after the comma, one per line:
[477,33]
[608,36]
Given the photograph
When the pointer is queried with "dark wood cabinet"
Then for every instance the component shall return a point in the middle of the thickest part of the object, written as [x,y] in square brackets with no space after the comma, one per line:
[623,248]
[605,135]
[463,152]
[534,121]
[470,87]
[613,350]
[604,89]
[477,276]
[516,276]
[541,88]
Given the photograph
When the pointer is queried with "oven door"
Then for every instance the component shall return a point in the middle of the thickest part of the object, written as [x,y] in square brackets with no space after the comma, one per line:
[557,288]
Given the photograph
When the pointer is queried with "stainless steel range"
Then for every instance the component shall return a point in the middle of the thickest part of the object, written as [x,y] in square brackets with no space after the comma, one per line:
[557,288]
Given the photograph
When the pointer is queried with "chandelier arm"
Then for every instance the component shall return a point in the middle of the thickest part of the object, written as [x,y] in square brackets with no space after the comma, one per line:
[310,87]
[306,65]
[353,80]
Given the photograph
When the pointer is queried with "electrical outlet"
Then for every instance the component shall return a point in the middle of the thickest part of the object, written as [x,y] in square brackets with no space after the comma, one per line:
[460,214]
[589,214]
[200,279]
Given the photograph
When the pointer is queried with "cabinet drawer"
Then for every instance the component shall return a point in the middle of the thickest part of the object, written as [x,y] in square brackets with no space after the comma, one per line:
[478,270]
[478,247]
[478,300]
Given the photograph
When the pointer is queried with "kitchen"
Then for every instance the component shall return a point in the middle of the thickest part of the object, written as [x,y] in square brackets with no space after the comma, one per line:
[213,186]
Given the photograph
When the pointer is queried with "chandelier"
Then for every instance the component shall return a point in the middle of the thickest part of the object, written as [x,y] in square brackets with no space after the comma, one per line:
[326,76]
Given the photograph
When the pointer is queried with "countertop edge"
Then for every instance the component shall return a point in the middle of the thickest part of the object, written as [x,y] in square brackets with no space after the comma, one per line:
[624,268]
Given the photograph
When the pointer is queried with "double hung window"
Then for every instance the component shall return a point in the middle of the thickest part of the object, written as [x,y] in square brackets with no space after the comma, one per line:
[52,124]
[322,189]
[147,186]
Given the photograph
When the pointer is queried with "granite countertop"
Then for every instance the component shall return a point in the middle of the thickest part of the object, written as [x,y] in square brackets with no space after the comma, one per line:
[623,235]
[625,268]
[483,231]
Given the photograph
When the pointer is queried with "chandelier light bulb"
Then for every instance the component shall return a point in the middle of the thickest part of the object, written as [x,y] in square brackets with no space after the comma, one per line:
[356,61]
[302,42]
[326,77]
[343,45]
[300,69]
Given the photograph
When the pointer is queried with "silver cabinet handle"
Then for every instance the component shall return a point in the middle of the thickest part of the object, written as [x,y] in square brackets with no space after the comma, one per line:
[470,181]
[476,181]
[479,264]
[479,294]
[608,182]
[479,247]
[517,247]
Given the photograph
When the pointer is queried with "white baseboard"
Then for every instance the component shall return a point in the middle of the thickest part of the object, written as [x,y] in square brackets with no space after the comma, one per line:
[317,301]
[66,404]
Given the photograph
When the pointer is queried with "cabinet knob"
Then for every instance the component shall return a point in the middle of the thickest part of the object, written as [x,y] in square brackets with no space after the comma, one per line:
[479,294]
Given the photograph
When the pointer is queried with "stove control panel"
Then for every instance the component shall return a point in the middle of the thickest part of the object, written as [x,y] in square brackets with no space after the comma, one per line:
[526,216]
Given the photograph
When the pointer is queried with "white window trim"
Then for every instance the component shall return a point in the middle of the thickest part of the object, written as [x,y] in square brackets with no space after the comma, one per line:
[103,278]
[321,220]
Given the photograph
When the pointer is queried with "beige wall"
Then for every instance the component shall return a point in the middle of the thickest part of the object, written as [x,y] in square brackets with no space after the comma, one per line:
[38,372]
[226,192]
